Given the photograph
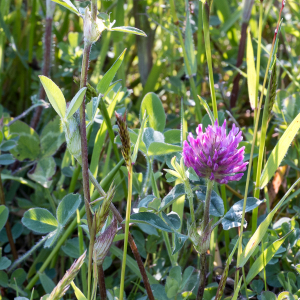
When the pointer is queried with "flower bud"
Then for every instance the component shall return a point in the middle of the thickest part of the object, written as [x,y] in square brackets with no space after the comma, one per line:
[92,29]
[73,138]
[104,241]
[125,138]
[103,211]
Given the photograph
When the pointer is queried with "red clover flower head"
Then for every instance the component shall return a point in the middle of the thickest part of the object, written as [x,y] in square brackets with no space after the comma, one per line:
[214,155]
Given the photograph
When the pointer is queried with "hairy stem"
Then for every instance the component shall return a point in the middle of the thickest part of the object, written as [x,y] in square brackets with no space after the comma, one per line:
[46,66]
[128,210]
[85,168]
[101,283]
[202,276]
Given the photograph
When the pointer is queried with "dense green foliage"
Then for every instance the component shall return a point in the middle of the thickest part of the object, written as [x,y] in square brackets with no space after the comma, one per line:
[92,132]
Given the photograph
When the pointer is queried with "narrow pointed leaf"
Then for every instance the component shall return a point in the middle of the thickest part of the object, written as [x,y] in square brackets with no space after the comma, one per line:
[55,96]
[279,152]
[76,102]
[69,5]
[106,80]
[251,73]
[265,257]
[129,29]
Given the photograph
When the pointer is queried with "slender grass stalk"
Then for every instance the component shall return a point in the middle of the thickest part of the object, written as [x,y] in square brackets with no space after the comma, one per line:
[205,231]
[128,211]
[226,232]
[130,238]
[205,17]
[252,148]
[255,211]
[186,61]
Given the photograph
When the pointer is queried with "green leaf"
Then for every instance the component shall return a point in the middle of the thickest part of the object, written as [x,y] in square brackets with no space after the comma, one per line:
[234,216]
[47,283]
[106,80]
[150,136]
[150,219]
[76,102]
[18,276]
[179,240]
[8,145]
[261,261]
[173,195]
[237,290]
[131,263]
[39,220]
[172,219]
[286,296]
[3,279]
[67,208]
[154,109]
[4,263]
[137,143]
[43,171]
[188,272]
[3,215]
[251,72]
[79,295]
[267,295]
[279,152]
[53,236]
[69,5]
[261,230]
[173,136]
[216,207]
[129,29]
[189,46]
[298,268]
[6,159]
[29,142]
[55,96]
[171,287]
[71,248]
[52,137]
[157,148]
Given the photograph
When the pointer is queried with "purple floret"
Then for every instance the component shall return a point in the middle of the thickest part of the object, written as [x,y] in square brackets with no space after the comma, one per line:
[214,155]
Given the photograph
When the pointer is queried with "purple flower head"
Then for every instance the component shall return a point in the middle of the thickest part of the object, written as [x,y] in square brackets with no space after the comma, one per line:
[214,155]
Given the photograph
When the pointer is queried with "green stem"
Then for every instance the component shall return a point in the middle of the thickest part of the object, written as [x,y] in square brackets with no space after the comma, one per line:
[186,61]
[205,16]
[205,240]
[251,157]
[189,193]
[226,232]
[55,250]
[128,211]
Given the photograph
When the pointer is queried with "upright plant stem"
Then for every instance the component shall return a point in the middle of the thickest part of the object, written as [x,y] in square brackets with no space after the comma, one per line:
[205,231]
[46,60]
[130,238]
[252,149]
[85,168]
[255,211]
[7,225]
[128,210]
[205,17]
[189,193]
[101,283]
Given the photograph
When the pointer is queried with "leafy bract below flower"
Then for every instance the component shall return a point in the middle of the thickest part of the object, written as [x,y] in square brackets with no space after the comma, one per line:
[214,155]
